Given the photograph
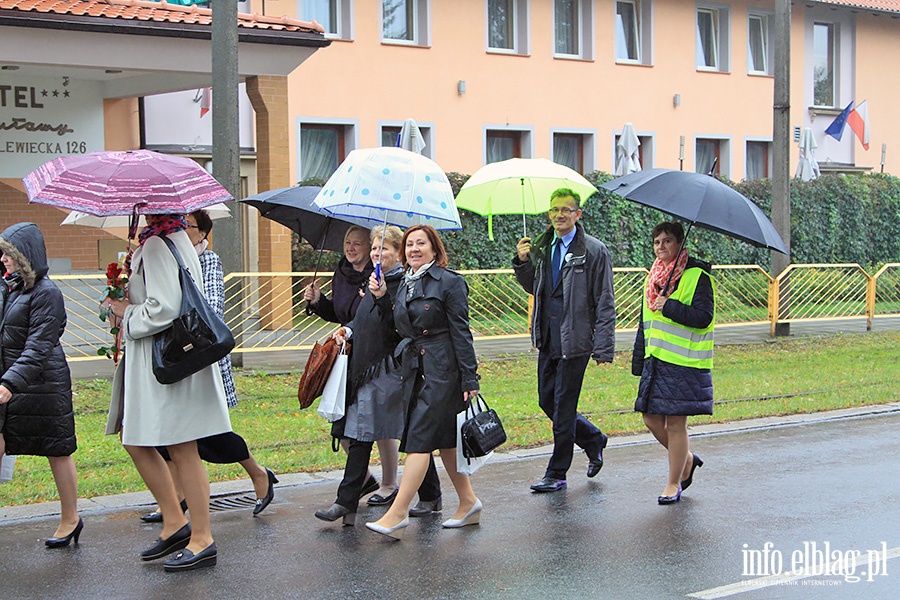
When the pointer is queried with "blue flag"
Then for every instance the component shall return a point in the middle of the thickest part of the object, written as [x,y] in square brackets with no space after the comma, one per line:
[836,129]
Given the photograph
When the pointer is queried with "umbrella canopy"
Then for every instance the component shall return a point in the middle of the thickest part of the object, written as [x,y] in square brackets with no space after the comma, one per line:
[518,186]
[807,167]
[378,185]
[118,224]
[703,200]
[293,207]
[628,156]
[411,137]
[116,183]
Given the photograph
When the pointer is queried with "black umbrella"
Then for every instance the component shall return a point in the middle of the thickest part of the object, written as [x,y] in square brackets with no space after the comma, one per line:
[701,200]
[293,207]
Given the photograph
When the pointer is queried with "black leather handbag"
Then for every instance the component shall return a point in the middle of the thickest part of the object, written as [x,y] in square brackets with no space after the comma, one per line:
[197,339]
[481,432]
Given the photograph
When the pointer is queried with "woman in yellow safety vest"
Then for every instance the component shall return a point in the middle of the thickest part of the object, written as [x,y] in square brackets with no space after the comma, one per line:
[673,352]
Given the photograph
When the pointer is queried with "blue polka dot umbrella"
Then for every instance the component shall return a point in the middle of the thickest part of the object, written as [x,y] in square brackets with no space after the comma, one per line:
[390,186]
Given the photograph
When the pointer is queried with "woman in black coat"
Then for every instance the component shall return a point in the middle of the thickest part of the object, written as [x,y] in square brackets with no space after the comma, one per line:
[431,313]
[36,416]
[673,353]
[374,408]
[348,286]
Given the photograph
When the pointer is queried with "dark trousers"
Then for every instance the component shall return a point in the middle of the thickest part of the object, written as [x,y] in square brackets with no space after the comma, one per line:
[358,455]
[559,386]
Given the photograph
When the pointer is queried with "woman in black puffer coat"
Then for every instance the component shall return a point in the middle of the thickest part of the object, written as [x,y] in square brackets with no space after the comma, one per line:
[36,416]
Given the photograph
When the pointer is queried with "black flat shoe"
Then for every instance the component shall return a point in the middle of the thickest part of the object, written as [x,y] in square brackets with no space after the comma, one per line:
[62,542]
[156,516]
[596,462]
[548,484]
[371,485]
[173,543]
[262,503]
[335,512]
[687,482]
[670,499]
[379,500]
[187,560]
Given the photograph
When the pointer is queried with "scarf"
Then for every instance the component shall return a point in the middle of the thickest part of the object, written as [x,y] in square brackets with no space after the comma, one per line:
[13,281]
[161,225]
[410,278]
[156,225]
[201,247]
[659,276]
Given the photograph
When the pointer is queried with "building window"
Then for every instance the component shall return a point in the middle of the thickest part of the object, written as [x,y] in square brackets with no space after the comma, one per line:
[759,51]
[757,160]
[503,144]
[507,26]
[645,151]
[333,15]
[405,21]
[568,150]
[628,36]
[712,38]
[574,27]
[824,64]
[711,156]
[322,148]
[390,135]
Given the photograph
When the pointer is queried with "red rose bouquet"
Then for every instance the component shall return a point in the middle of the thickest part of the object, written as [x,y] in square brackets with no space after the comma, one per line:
[116,282]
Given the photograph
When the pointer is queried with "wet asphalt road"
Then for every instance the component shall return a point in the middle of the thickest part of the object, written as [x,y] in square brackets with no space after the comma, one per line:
[829,479]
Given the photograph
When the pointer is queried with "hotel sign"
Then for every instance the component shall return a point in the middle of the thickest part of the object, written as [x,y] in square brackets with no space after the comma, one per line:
[45,117]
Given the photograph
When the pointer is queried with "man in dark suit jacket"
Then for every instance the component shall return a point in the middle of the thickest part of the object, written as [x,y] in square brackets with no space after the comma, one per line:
[574,319]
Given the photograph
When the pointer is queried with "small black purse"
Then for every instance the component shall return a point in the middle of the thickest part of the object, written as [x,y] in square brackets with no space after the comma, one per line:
[197,339]
[483,431]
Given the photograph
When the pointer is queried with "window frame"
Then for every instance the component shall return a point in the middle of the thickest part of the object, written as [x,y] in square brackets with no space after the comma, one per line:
[419,20]
[343,24]
[585,29]
[587,147]
[765,29]
[645,150]
[767,146]
[520,28]
[834,33]
[523,139]
[721,22]
[426,128]
[636,13]
[347,142]
[723,152]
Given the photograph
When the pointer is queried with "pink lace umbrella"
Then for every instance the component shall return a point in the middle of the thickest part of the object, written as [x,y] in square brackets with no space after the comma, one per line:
[124,183]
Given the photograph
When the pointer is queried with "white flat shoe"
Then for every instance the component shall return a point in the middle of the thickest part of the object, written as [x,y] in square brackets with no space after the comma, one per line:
[395,532]
[473,517]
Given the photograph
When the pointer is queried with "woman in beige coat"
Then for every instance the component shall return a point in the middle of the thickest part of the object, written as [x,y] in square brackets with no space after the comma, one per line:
[173,415]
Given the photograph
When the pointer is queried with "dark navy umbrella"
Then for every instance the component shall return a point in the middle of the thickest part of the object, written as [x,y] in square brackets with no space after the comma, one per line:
[701,200]
[293,207]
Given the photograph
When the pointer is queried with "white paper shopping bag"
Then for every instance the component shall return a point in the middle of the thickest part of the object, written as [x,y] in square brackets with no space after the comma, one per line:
[334,396]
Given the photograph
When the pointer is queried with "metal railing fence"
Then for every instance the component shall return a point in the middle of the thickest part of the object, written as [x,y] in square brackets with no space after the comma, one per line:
[272,313]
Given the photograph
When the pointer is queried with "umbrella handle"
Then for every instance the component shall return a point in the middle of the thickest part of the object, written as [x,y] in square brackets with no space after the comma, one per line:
[524,226]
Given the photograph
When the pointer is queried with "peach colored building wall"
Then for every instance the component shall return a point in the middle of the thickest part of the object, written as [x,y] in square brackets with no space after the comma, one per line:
[368,81]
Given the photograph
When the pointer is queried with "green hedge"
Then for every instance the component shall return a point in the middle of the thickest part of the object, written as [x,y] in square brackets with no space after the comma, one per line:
[834,219]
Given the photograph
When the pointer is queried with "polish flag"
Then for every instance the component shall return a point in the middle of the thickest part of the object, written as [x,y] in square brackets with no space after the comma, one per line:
[205,101]
[858,120]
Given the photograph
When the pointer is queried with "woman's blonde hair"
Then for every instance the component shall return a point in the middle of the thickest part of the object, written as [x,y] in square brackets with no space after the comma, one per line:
[352,229]
[393,235]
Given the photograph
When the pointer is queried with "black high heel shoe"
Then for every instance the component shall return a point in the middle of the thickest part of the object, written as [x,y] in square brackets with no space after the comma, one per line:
[62,542]
[262,503]
[335,512]
[156,516]
[687,482]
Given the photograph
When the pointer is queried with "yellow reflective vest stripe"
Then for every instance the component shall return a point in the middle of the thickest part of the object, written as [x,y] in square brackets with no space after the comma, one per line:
[675,343]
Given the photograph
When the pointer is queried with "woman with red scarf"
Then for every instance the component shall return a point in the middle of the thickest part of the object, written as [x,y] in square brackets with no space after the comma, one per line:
[673,352]
[150,414]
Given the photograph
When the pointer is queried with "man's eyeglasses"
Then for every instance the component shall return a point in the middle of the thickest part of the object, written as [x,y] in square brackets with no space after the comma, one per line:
[565,210]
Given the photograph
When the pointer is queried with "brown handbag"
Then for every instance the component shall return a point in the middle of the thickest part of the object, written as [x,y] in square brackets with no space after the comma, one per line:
[318,367]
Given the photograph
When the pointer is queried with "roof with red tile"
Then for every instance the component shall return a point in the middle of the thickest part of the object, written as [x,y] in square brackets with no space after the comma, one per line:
[158,14]
[891,6]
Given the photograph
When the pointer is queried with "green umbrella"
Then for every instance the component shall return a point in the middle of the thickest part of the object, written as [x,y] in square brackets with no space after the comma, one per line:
[518,186]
